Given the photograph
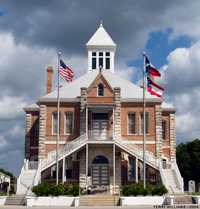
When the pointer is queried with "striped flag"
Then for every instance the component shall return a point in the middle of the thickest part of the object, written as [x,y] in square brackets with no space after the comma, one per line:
[150,69]
[66,72]
[152,73]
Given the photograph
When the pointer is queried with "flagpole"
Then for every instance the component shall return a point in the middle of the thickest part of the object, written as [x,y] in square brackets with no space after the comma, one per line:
[144,124]
[58,119]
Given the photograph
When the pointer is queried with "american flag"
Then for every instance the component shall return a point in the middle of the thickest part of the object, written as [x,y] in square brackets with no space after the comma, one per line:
[66,72]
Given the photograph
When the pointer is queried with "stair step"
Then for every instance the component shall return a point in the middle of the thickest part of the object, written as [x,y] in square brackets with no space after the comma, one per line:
[183,200]
[15,200]
[102,200]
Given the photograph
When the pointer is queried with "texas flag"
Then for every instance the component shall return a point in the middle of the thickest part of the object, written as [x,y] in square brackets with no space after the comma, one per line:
[153,87]
[150,69]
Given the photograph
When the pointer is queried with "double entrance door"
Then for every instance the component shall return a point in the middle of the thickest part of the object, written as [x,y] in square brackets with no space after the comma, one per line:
[99,129]
[100,174]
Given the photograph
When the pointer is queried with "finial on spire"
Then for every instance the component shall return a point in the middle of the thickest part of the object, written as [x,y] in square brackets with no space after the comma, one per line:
[101,23]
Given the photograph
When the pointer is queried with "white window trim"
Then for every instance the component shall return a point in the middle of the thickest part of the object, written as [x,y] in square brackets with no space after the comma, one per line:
[140,124]
[65,133]
[95,58]
[128,131]
[105,60]
[52,125]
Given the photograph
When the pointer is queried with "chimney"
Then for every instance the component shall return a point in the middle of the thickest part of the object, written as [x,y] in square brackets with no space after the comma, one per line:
[49,79]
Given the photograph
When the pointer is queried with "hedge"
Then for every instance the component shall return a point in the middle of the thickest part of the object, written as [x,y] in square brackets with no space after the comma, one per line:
[45,189]
[138,189]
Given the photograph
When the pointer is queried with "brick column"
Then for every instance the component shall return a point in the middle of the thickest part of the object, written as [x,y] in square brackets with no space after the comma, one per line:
[27,135]
[83,102]
[42,131]
[117,113]
[158,112]
[172,134]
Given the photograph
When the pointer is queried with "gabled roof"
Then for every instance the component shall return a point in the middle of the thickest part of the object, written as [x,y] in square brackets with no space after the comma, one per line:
[101,38]
[71,91]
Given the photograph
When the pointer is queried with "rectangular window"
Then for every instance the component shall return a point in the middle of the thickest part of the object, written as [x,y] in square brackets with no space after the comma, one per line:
[94,64]
[164,126]
[107,54]
[100,54]
[94,54]
[107,63]
[146,123]
[100,61]
[54,122]
[69,122]
[131,123]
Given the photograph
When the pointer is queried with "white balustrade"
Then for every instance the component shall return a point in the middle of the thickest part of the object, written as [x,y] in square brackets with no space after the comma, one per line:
[66,149]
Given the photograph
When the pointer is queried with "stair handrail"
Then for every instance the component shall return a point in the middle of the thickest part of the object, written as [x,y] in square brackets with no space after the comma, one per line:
[178,175]
[124,141]
[19,177]
[163,177]
[69,146]
[151,158]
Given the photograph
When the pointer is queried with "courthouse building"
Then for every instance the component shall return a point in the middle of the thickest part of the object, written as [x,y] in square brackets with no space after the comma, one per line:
[101,130]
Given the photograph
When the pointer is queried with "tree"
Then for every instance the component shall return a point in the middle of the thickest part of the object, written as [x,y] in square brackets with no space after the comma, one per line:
[188,160]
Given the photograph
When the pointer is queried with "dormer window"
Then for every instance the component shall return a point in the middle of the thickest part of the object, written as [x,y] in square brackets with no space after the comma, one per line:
[100,90]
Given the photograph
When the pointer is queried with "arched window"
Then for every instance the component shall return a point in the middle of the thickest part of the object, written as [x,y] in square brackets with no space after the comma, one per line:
[100,90]
[99,159]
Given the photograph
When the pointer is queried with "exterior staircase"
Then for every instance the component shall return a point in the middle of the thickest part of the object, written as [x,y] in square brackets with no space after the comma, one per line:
[15,200]
[27,179]
[99,200]
[172,179]
[65,151]
[134,150]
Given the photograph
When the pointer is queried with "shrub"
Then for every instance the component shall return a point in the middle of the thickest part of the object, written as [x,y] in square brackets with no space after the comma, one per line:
[45,189]
[74,190]
[3,193]
[57,190]
[159,190]
[138,189]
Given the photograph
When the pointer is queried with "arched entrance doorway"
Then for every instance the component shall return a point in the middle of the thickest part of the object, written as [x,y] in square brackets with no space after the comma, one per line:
[100,171]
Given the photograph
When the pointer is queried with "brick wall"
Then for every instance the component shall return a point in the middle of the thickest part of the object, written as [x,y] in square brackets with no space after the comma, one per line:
[137,109]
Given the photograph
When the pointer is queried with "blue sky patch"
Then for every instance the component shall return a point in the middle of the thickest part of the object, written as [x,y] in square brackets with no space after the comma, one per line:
[158,47]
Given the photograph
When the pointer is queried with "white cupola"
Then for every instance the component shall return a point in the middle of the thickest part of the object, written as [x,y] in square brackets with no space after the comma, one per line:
[101,51]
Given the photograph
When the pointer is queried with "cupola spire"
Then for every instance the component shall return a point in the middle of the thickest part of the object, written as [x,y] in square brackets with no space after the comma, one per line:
[101,50]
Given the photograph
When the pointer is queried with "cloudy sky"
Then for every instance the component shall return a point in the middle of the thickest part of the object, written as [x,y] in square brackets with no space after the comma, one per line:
[31,33]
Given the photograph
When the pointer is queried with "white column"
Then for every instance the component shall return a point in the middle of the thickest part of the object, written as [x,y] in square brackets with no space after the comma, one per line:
[113,124]
[104,60]
[89,61]
[114,169]
[86,167]
[97,60]
[112,61]
[63,171]
[86,123]
[136,170]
